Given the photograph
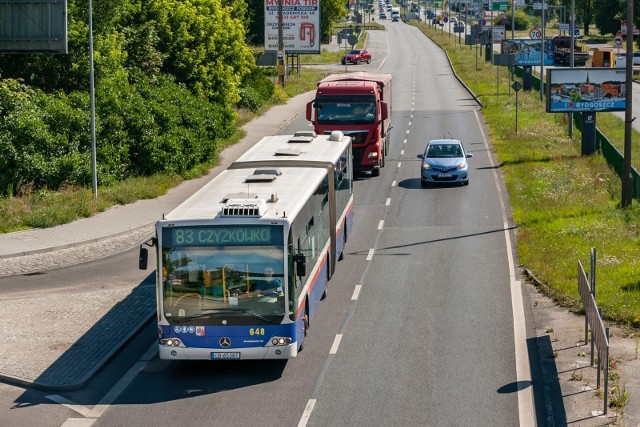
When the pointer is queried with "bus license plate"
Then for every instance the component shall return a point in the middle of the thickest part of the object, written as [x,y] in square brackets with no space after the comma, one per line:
[225,356]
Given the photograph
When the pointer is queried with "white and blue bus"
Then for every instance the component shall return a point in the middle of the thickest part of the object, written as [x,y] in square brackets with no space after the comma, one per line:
[243,263]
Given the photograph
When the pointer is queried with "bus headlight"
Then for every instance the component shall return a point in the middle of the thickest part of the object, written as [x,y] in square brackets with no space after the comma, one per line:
[170,342]
[280,341]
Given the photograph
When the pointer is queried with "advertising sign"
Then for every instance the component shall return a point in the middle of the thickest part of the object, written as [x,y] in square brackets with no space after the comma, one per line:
[527,51]
[301,26]
[585,89]
[28,26]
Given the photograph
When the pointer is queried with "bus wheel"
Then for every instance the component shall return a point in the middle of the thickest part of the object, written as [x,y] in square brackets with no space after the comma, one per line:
[324,294]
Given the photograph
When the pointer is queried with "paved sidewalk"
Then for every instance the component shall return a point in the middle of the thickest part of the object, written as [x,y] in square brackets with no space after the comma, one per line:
[61,340]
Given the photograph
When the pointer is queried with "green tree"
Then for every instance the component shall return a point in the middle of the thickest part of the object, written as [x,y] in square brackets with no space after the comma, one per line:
[205,46]
[607,15]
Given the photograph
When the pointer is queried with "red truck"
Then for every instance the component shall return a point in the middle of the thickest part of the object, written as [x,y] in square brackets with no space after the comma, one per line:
[359,105]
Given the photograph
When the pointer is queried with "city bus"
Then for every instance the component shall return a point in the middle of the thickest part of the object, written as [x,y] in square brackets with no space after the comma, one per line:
[242,265]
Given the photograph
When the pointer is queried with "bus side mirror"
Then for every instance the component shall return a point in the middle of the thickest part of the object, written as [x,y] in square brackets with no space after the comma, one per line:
[310,111]
[384,110]
[301,265]
[143,258]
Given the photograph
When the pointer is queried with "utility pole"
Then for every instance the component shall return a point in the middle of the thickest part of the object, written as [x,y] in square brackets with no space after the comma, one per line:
[92,101]
[280,46]
[627,193]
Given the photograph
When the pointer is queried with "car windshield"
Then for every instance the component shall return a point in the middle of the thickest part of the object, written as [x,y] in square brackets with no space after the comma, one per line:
[354,52]
[444,150]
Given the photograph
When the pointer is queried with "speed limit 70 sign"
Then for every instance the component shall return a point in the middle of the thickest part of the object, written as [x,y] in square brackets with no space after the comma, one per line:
[535,34]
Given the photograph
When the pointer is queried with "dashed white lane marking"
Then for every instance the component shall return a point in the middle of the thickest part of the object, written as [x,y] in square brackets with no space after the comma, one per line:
[405,141]
[402,152]
[307,413]
[370,254]
[336,344]
[409,123]
[393,184]
[407,131]
[79,422]
[356,293]
[399,163]
[381,224]
[388,202]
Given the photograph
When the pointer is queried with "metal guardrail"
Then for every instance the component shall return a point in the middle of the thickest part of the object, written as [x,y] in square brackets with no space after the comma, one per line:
[593,321]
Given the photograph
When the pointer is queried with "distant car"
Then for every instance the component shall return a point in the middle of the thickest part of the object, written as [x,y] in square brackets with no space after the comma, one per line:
[382,15]
[356,56]
[395,18]
[621,61]
[453,20]
[444,161]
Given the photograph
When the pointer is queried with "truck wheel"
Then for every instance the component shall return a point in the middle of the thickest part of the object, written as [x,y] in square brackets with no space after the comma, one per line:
[375,172]
[383,154]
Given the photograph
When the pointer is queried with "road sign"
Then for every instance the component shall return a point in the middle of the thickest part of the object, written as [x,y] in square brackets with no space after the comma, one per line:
[535,34]
[617,40]
[516,86]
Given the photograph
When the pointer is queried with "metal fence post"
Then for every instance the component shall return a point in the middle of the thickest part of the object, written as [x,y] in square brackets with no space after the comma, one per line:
[606,375]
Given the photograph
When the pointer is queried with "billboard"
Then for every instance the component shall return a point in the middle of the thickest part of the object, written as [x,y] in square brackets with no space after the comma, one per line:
[300,22]
[527,51]
[28,26]
[585,89]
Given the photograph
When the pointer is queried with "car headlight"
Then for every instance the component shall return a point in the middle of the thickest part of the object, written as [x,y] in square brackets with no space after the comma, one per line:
[462,165]
[426,166]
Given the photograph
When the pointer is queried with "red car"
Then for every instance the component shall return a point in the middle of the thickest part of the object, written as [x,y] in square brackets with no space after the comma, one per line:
[356,56]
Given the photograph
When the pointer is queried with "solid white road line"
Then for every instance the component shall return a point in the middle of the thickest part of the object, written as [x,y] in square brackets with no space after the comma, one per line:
[526,410]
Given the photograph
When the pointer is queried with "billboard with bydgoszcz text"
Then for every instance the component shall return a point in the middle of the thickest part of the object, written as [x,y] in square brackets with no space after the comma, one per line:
[585,89]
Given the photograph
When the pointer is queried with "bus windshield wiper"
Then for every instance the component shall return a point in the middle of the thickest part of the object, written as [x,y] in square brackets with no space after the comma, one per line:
[209,312]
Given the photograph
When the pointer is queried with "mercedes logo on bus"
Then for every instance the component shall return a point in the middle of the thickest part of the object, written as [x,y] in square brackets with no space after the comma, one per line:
[225,342]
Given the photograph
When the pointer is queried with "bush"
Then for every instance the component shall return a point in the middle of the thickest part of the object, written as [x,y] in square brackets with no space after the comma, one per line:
[256,90]
[521,19]
[141,129]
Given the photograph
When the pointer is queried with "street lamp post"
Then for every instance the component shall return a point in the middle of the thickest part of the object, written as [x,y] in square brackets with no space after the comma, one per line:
[92,103]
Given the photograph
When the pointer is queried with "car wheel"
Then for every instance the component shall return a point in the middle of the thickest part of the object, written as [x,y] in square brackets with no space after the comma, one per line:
[369,61]
[344,63]
[358,61]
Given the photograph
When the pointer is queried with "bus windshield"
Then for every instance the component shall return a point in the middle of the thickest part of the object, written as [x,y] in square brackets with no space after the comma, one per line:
[346,109]
[231,275]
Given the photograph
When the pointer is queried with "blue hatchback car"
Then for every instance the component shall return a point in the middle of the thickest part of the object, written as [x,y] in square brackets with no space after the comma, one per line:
[444,161]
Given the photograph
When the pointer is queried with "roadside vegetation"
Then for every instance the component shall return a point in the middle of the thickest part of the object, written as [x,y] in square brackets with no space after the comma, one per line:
[563,204]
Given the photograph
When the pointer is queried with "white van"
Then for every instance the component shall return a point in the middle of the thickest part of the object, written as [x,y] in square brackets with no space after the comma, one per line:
[395,14]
